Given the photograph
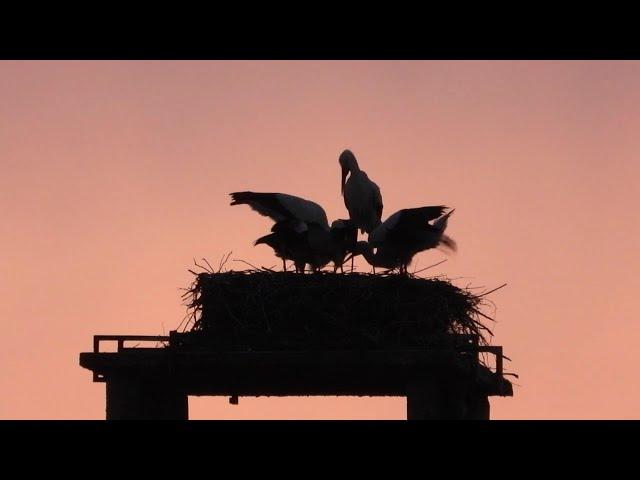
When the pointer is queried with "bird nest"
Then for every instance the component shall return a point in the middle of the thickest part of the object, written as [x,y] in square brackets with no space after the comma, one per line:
[268,310]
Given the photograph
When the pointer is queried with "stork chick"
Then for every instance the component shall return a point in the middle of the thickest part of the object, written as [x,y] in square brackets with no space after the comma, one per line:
[287,244]
[344,235]
[301,232]
[405,233]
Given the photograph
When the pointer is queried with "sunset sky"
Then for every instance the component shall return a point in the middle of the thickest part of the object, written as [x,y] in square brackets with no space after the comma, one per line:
[115,175]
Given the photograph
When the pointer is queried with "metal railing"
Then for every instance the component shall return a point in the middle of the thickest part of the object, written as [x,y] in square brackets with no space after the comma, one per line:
[120,339]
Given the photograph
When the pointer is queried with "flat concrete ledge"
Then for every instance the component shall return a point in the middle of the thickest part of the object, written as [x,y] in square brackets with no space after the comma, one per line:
[447,382]
[280,373]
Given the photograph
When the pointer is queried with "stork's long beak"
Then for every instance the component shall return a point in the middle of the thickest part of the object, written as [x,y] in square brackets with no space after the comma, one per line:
[345,172]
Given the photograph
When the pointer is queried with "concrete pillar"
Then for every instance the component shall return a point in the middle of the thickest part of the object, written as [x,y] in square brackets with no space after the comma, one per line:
[424,399]
[141,399]
[478,407]
[435,399]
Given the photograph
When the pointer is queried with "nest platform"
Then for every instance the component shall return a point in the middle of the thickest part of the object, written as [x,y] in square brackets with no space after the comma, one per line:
[264,333]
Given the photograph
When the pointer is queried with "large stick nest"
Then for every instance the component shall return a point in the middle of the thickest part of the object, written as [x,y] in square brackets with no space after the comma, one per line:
[268,310]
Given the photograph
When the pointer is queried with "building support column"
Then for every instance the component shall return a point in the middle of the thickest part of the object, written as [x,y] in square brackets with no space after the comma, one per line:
[141,399]
[424,399]
[433,398]
[478,407]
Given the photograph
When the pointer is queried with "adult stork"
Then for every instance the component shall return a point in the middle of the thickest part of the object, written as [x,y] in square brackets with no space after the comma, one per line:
[362,196]
[301,232]
[405,233]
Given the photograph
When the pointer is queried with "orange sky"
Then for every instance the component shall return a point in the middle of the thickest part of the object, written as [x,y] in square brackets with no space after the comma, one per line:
[116,174]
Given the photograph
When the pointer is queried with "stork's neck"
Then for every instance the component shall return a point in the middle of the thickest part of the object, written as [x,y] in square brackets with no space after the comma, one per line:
[371,257]
[352,165]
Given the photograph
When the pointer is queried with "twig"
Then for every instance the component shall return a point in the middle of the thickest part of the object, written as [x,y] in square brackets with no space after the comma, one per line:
[203,268]
[207,262]
[430,266]
[224,261]
[246,263]
[491,291]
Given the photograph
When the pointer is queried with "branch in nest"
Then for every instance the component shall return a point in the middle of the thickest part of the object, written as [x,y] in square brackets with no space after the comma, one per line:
[491,291]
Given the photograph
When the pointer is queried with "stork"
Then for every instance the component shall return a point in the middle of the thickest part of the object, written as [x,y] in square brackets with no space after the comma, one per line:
[362,197]
[287,243]
[405,233]
[301,232]
[313,246]
[344,235]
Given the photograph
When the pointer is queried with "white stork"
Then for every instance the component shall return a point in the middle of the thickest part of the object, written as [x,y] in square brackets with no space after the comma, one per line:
[405,233]
[301,232]
[362,197]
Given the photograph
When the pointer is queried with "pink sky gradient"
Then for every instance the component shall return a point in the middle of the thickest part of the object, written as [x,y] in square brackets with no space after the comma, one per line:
[116,174]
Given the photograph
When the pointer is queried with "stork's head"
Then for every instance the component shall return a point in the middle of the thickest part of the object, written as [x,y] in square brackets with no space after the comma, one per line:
[348,163]
[338,224]
[345,231]
[343,224]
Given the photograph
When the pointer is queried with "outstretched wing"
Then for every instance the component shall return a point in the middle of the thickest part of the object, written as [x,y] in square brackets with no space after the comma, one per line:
[266,204]
[377,196]
[281,206]
[415,217]
[405,224]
